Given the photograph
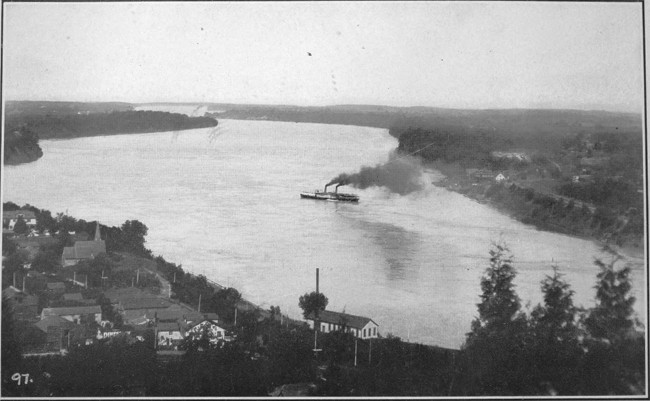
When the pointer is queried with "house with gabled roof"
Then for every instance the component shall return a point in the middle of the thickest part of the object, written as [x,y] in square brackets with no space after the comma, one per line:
[75,314]
[359,326]
[83,250]
[169,335]
[214,332]
[10,217]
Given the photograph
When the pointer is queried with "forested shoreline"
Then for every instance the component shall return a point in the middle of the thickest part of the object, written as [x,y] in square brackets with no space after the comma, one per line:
[28,122]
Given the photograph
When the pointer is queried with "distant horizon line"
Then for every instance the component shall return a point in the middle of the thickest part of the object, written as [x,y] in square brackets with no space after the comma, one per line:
[331,105]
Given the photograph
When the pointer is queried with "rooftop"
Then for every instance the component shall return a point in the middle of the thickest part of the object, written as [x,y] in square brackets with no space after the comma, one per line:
[84,249]
[13,214]
[52,321]
[357,322]
[72,310]
[144,303]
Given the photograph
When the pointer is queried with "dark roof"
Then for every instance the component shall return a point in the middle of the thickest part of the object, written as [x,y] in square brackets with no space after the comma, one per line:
[72,310]
[73,296]
[358,322]
[84,249]
[211,316]
[169,314]
[144,303]
[119,294]
[56,286]
[168,326]
[13,214]
[50,321]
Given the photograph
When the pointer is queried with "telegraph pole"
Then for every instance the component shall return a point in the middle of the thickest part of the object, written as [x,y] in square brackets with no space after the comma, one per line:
[316,321]
[355,350]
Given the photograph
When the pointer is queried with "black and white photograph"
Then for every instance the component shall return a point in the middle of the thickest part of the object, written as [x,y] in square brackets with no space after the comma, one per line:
[438,199]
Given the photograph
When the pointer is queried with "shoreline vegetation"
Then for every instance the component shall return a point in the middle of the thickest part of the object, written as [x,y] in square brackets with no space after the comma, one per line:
[597,351]
[28,122]
[578,173]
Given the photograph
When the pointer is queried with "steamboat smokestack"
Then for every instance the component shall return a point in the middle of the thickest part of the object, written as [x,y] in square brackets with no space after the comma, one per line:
[326,185]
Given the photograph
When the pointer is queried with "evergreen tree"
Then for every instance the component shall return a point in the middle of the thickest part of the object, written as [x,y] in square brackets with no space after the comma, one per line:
[20,227]
[555,346]
[614,362]
[495,354]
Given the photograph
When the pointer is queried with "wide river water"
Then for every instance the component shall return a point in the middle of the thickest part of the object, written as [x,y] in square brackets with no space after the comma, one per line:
[225,203]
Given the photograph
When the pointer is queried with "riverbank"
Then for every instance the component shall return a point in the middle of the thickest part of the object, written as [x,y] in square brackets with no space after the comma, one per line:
[510,198]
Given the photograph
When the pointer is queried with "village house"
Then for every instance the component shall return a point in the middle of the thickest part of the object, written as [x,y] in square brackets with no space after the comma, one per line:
[359,326]
[500,178]
[83,250]
[210,327]
[75,314]
[9,218]
[169,335]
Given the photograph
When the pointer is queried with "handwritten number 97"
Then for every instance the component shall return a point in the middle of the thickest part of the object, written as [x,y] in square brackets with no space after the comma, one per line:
[21,378]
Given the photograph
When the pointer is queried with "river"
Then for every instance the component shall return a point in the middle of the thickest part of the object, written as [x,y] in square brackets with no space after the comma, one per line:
[225,203]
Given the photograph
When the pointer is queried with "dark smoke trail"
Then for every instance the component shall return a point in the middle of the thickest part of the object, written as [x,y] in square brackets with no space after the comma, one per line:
[399,175]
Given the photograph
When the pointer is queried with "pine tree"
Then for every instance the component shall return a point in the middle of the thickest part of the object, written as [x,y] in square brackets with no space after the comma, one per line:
[555,346]
[495,353]
[614,362]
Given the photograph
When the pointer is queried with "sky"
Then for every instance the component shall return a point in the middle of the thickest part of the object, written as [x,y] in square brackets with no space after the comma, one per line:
[442,54]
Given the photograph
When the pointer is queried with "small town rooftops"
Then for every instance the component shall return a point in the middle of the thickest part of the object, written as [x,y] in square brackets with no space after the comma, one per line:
[72,310]
[342,319]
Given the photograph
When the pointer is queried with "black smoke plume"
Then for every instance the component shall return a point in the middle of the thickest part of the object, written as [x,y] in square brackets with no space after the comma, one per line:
[399,175]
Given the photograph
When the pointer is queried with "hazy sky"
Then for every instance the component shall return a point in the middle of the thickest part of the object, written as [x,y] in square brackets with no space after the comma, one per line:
[444,54]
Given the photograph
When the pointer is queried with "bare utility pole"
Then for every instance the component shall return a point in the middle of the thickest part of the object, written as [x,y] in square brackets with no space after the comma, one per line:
[316,321]
[199,303]
[355,350]
[24,277]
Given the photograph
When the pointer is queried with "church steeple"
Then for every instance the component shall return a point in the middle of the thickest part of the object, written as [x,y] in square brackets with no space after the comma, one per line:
[98,236]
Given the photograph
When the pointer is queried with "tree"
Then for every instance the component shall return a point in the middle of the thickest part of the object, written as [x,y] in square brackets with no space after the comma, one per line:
[133,233]
[614,362]
[314,302]
[499,302]
[496,350]
[555,338]
[21,226]
[224,302]
[611,319]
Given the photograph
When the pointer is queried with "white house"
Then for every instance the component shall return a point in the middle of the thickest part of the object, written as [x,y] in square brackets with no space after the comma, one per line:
[500,178]
[9,218]
[359,326]
[214,332]
[169,334]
